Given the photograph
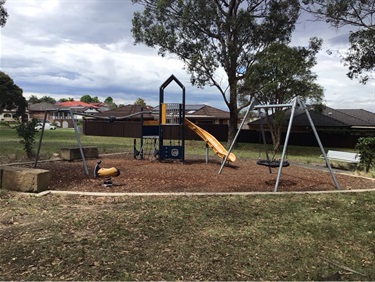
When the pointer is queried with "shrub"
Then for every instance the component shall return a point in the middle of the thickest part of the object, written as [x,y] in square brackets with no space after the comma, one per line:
[366,147]
[4,123]
[27,131]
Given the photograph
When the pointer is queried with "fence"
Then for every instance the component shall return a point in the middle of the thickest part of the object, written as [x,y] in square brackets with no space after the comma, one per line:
[133,129]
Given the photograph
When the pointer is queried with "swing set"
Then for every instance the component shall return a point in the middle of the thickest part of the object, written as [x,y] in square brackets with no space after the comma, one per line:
[273,163]
[268,162]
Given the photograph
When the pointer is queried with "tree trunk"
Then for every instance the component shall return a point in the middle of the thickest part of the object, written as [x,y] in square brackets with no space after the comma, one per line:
[275,131]
[233,112]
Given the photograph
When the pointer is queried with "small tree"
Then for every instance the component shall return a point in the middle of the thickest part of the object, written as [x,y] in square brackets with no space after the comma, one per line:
[33,99]
[27,131]
[110,103]
[279,74]
[66,99]
[366,147]
[140,102]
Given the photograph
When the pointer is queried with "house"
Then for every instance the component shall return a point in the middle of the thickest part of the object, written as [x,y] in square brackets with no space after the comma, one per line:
[202,114]
[128,110]
[211,119]
[38,110]
[337,127]
[60,113]
[354,120]
[10,116]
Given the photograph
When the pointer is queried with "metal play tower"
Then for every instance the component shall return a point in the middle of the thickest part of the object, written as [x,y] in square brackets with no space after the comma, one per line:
[171,125]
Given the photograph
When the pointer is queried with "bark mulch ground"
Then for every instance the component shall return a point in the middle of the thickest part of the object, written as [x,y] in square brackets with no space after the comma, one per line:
[194,175]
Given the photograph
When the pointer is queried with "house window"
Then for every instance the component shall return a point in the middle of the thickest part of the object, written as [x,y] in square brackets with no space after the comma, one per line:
[7,115]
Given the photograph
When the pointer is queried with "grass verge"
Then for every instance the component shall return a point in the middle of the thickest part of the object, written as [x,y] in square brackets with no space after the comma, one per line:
[54,140]
[273,237]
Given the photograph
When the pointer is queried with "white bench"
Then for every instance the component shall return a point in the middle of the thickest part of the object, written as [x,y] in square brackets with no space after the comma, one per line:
[341,156]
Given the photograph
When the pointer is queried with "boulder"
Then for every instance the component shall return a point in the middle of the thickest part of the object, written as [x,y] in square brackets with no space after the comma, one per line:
[73,153]
[24,179]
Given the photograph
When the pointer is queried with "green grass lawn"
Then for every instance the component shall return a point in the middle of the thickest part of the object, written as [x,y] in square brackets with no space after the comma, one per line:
[54,140]
[269,237]
[257,237]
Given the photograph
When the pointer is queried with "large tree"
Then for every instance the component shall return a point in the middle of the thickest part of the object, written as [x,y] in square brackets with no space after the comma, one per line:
[215,35]
[360,58]
[88,99]
[11,95]
[45,99]
[3,13]
[280,74]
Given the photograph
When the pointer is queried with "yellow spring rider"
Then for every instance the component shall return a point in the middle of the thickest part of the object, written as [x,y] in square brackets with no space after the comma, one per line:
[106,173]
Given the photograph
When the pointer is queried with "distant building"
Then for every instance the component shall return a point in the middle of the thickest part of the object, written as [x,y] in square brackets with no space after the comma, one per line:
[60,113]
[330,120]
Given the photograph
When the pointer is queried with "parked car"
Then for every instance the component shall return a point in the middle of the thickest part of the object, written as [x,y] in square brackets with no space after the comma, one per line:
[47,126]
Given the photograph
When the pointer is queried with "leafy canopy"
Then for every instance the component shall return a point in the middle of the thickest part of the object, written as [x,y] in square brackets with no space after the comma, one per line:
[11,95]
[366,148]
[360,58]
[213,36]
[207,35]
[3,14]
[88,99]
[281,73]
[45,99]
[140,102]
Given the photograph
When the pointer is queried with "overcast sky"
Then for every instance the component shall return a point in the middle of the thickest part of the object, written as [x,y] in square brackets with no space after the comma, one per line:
[69,48]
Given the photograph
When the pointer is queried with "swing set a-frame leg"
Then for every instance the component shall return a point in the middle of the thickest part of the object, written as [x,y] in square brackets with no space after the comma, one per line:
[251,106]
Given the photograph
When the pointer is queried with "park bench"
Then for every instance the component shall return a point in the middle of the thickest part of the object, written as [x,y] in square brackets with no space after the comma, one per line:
[341,156]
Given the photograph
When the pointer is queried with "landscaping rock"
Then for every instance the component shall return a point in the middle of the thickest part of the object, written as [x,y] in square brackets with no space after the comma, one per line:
[24,179]
[73,153]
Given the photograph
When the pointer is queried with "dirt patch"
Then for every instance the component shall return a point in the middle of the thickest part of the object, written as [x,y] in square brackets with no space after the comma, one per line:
[194,175]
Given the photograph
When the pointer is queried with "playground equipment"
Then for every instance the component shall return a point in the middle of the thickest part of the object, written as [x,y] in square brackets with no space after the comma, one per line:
[72,114]
[156,133]
[148,141]
[148,148]
[270,163]
[297,102]
[171,132]
[171,119]
[106,173]
[211,141]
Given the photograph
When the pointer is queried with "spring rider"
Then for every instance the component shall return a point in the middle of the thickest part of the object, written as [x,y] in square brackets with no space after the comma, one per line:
[106,173]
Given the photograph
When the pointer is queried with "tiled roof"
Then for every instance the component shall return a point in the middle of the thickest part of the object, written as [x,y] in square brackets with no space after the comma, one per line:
[202,111]
[41,107]
[211,112]
[125,111]
[362,115]
[188,107]
[70,104]
[330,117]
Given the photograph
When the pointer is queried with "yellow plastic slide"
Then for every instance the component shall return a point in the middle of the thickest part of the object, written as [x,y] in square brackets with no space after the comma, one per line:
[211,141]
